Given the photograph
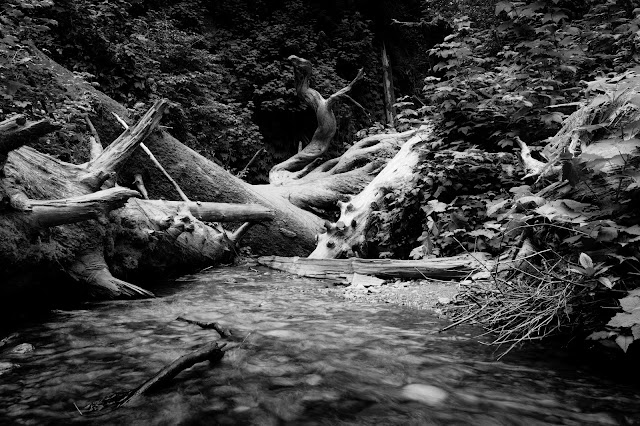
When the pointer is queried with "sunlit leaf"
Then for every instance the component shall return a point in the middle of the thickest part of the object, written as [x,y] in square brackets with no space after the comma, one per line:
[624,342]
[586,261]
[606,282]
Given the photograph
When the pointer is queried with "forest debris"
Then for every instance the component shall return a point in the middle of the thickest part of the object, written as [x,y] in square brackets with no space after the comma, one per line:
[222,331]
[210,352]
[340,269]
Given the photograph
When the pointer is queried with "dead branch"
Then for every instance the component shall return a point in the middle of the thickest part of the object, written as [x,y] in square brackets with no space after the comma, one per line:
[102,167]
[155,161]
[210,352]
[222,331]
[95,145]
[47,213]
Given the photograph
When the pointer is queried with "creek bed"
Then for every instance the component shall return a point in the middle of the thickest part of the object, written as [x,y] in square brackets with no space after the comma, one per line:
[306,357]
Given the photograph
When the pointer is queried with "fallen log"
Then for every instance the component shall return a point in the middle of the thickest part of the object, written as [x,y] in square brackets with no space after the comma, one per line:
[455,267]
[55,223]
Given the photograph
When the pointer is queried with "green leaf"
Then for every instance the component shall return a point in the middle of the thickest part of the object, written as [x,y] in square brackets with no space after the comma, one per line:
[630,303]
[625,320]
[606,282]
[586,261]
[624,342]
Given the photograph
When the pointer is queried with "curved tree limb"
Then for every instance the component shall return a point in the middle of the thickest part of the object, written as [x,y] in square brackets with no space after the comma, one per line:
[285,171]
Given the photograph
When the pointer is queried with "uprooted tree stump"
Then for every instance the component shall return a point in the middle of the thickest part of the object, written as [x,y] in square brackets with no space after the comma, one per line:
[58,219]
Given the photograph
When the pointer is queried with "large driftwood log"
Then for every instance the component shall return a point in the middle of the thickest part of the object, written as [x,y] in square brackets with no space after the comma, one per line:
[292,230]
[342,269]
[152,238]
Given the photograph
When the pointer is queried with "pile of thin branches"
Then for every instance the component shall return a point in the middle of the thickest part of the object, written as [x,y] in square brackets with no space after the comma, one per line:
[533,302]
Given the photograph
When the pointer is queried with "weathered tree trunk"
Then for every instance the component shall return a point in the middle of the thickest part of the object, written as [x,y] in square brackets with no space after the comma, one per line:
[387,87]
[342,269]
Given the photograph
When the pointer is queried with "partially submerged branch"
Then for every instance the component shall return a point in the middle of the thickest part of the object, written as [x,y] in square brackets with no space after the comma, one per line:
[223,332]
[210,352]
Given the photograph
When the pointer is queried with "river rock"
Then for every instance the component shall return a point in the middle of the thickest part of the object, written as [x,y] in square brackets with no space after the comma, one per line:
[426,394]
[23,348]
[5,367]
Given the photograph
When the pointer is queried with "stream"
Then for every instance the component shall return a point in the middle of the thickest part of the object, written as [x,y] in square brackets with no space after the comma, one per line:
[305,357]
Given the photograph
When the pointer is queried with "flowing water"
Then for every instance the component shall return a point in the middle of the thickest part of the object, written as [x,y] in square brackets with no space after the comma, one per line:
[305,357]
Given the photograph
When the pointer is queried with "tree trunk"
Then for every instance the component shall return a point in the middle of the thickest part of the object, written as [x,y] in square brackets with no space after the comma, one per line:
[342,269]
[387,84]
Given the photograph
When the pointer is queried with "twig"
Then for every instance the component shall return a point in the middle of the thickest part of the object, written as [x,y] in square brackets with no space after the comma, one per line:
[465,319]
[223,332]
[244,171]
[74,404]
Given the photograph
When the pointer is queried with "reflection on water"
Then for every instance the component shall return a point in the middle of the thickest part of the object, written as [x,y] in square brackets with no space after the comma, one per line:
[308,358]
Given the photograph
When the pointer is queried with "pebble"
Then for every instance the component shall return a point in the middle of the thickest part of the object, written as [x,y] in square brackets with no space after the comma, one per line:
[426,394]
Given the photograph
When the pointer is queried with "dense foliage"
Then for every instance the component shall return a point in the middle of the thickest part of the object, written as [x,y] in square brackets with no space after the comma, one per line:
[223,63]
[519,78]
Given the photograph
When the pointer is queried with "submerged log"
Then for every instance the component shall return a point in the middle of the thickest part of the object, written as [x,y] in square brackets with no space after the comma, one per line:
[455,267]
[210,352]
